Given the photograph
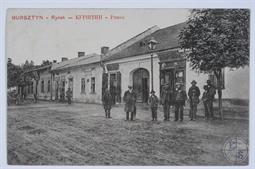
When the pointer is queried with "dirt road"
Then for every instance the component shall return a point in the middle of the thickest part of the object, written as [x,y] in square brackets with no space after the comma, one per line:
[58,134]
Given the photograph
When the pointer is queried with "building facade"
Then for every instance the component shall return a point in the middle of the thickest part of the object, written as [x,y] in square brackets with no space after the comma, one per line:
[130,64]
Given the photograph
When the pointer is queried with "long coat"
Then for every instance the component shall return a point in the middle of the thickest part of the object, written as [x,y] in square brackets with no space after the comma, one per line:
[180,97]
[194,94]
[107,100]
[130,100]
[167,97]
[211,92]
[153,101]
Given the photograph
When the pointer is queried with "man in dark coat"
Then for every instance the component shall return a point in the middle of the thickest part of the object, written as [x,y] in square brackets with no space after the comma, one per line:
[193,94]
[153,101]
[180,98]
[69,95]
[211,95]
[167,101]
[205,102]
[130,100]
[107,102]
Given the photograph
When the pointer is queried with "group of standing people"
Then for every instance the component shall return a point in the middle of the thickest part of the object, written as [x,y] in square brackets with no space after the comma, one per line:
[170,98]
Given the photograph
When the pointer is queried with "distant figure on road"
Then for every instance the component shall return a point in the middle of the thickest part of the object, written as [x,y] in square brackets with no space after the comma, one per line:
[180,98]
[69,95]
[107,102]
[153,101]
[167,101]
[130,100]
[211,95]
[206,102]
[193,94]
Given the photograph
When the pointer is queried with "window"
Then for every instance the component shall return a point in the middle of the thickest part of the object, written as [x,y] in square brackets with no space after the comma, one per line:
[48,87]
[82,85]
[93,85]
[42,86]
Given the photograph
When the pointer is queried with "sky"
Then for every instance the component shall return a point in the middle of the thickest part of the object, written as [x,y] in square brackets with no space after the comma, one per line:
[49,39]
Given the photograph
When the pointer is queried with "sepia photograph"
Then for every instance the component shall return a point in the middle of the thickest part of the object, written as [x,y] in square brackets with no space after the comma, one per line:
[128,87]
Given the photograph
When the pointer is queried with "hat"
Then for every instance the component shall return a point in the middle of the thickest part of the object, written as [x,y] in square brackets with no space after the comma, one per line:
[152,91]
[130,87]
[193,81]
[205,87]
[208,81]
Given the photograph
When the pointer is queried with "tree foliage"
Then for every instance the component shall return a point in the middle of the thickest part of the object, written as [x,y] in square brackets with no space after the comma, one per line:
[16,74]
[216,38]
[13,74]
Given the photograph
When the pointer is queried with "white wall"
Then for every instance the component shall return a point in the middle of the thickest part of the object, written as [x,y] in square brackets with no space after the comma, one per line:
[127,67]
[45,76]
[85,72]
[236,82]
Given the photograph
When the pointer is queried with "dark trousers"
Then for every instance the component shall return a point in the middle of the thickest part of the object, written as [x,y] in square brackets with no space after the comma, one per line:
[193,111]
[206,106]
[132,116]
[166,108]
[210,107]
[69,100]
[179,111]
[108,113]
[154,113]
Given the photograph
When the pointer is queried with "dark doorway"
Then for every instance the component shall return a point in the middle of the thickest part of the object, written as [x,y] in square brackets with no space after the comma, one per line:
[141,84]
[167,78]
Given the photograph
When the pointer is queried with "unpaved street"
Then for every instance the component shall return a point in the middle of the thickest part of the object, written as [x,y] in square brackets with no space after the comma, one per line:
[58,134]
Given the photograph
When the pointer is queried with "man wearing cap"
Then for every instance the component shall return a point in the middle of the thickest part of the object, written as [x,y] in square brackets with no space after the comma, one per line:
[180,98]
[210,95]
[193,94]
[130,100]
[153,101]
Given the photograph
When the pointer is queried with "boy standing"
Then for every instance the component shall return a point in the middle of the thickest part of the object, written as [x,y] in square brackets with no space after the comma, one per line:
[153,101]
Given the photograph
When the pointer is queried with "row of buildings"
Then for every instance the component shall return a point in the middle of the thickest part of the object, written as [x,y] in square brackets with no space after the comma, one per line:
[129,64]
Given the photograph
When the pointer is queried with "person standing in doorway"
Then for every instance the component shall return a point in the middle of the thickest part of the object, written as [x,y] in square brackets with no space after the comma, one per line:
[153,101]
[130,100]
[69,95]
[180,98]
[107,102]
[211,95]
[193,94]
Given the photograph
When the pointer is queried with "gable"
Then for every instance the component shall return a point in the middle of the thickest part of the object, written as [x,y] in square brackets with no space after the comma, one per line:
[167,38]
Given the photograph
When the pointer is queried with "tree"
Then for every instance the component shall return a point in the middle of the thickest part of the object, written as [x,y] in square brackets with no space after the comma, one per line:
[13,74]
[46,62]
[215,39]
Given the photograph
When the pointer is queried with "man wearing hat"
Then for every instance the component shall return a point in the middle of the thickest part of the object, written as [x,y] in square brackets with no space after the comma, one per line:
[180,98]
[210,95]
[153,101]
[166,101]
[193,94]
[130,100]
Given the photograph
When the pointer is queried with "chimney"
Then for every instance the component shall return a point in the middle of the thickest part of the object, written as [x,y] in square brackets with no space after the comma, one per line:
[104,50]
[64,59]
[54,61]
[80,54]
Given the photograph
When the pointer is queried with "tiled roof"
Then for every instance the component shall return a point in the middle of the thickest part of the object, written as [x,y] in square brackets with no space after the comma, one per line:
[167,38]
[84,60]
